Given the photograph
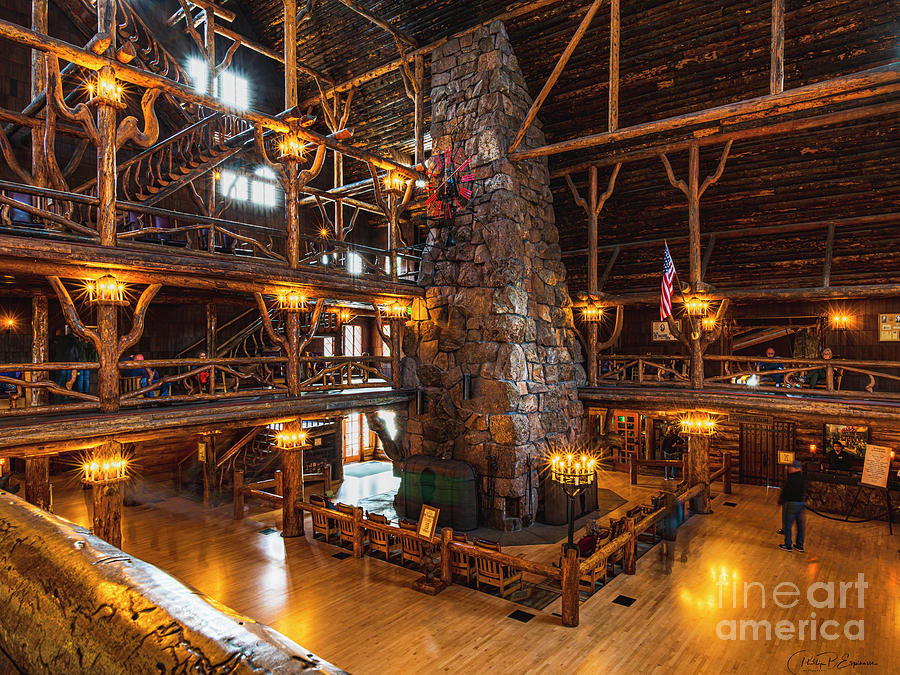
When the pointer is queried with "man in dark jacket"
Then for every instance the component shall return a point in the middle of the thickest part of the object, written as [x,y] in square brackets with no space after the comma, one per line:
[837,459]
[793,506]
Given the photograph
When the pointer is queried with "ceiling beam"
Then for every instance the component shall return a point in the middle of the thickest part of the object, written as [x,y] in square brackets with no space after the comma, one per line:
[398,34]
[853,86]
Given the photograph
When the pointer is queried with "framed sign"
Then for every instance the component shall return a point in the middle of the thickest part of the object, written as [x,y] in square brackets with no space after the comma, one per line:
[785,457]
[427,521]
[889,327]
[877,466]
[854,437]
[659,331]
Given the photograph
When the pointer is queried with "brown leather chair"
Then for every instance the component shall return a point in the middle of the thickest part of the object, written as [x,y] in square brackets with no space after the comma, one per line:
[322,524]
[410,546]
[507,579]
[382,541]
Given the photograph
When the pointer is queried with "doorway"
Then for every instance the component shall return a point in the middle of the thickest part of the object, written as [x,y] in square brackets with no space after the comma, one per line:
[760,443]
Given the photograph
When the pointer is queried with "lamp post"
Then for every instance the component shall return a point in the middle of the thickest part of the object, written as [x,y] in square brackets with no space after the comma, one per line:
[574,473]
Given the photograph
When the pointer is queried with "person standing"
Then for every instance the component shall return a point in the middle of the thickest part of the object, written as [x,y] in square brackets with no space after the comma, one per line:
[671,449]
[837,459]
[793,507]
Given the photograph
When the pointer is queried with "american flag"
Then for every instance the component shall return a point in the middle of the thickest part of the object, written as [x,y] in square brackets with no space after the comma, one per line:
[665,299]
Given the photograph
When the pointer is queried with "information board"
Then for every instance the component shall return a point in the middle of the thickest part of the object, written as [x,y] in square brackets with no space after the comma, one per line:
[877,466]
[889,327]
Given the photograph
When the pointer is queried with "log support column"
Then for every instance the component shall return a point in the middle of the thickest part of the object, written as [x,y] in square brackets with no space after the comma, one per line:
[697,470]
[292,485]
[107,521]
[570,588]
[40,348]
[37,481]
[108,375]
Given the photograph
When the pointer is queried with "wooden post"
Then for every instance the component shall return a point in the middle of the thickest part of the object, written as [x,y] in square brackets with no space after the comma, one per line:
[293,353]
[396,347]
[291,168]
[108,375]
[570,588]
[208,463]
[446,571]
[628,563]
[37,481]
[238,494]
[106,131]
[614,36]
[776,75]
[633,464]
[107,521]
[359,534]
[279,483]
[40,347]
[593,328]
[292,519]
[697,468]
[829,378]
[726,476]
[649,445]
[419,104]
[40,24]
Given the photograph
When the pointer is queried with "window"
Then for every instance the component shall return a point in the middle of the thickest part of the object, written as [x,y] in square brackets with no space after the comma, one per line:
[327,346]
[356,436]
[352,340]
[233,90]
[229,88]
[385,346]
[263,194]
[354,263]
[234,185]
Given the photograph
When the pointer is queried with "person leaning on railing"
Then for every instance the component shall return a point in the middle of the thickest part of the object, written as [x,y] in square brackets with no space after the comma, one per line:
[819,373]
[777,380]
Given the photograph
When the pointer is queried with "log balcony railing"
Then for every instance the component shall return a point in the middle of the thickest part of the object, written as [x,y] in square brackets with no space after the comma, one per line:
[568,574]
[227,378]
[785,376]
[30,211]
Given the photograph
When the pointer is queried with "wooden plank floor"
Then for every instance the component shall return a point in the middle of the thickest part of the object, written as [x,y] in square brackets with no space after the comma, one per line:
[363,616]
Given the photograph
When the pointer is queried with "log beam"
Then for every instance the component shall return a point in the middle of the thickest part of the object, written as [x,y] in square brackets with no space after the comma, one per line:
[858,85]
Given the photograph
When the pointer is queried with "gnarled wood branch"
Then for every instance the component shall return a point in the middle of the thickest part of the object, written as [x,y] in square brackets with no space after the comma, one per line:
[313,325]
[617,330]
[80,114]
[379,325]
[128,129]
[610,186]
[715,334]
[680,184]
[712,179]
[140,312]
[71,314]
[279,340]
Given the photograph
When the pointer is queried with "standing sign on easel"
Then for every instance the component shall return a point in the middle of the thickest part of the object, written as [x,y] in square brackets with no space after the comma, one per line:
[877,466]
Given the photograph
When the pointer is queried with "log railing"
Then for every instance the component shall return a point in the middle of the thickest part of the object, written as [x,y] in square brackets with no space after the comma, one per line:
[846,377]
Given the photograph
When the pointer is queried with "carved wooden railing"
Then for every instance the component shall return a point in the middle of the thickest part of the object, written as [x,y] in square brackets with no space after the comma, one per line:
[16,377]
[776,376]
[644,369]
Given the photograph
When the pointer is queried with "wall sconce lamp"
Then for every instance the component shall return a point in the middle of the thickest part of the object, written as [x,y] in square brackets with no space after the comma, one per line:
[104,90]
[106,291]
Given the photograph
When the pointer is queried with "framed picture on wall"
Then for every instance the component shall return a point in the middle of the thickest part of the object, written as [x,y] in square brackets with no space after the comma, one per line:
[853,436]
[659,331]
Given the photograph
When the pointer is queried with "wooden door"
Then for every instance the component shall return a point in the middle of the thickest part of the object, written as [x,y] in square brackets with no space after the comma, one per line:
[628,426]
[356,437]
[760,443]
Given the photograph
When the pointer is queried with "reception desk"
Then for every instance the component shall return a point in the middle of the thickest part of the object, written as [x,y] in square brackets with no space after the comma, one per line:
[839,493]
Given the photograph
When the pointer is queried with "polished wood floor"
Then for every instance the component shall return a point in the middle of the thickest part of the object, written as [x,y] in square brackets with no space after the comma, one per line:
[363,615]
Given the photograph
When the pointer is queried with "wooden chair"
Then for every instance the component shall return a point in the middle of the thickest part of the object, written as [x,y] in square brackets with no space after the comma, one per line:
[461,563]
[507,579]
[322,524]
[382,541]
[410,546]
[130,384]
[616,527]
[346,527]
[588,581]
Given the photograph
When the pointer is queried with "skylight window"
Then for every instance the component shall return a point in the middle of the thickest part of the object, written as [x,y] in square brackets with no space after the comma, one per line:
[234,185]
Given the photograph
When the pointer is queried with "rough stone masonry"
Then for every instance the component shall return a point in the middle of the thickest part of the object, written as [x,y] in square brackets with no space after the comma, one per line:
[496,307]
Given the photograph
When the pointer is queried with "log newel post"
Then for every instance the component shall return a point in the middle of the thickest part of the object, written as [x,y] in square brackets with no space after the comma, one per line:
[238,494]
[292,519]
[726,476]
[37,481]
[628,562]
[40,348]
[446,570]
[359,533]
[697,470]
[570,588]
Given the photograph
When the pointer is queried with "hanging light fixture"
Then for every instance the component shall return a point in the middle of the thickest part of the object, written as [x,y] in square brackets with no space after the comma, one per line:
[696,306]
[395,182]
[395,310]
[698,424]
[104,89]
[291,301]
[292,437]
[708,323]
[591,313]
[106,290]
[291,147]
[103,468]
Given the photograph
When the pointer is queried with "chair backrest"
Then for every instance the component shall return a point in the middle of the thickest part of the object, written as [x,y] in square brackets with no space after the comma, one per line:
[407,525]
[345,508]
[488,544]
[484,566]
[130,384]
[377,518]
[317,500]
[346,526]
[461,536]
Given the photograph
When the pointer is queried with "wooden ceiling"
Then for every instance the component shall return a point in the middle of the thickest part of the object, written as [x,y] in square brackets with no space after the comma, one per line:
[677,56]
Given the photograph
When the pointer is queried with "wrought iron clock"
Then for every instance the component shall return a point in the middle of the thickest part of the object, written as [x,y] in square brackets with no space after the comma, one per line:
[449,183]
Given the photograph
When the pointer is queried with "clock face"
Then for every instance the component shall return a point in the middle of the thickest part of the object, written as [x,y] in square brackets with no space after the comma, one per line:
[449,184]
